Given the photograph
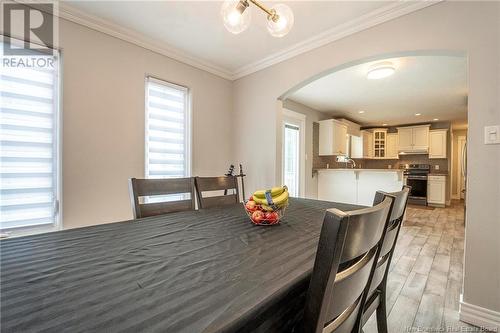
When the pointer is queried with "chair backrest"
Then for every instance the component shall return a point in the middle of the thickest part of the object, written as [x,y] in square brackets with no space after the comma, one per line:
[348,245]
[157,187]
[224,183]
[391,234]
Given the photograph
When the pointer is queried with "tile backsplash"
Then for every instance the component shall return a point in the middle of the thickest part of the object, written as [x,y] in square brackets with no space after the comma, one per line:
[320,162]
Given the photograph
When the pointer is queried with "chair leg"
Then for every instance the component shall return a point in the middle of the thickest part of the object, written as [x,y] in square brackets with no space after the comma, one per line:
[382,314]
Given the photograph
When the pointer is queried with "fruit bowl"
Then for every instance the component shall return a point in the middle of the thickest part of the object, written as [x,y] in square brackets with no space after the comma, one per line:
[267,207]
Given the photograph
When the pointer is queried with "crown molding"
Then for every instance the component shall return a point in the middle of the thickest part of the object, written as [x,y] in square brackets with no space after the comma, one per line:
[371,19]
[378,16]
[72,14]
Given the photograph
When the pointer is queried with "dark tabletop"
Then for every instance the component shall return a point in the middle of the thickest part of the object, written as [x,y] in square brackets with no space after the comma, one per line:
[203,271]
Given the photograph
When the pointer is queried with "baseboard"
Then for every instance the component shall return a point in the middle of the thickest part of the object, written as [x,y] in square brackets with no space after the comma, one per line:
[455,196]
[448,202]
[479,316]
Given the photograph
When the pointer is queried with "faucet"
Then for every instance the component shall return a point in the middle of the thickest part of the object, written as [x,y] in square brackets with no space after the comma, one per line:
[350,160]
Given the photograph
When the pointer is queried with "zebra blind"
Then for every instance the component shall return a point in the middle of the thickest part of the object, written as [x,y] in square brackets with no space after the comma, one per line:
[167,130]
[29,102]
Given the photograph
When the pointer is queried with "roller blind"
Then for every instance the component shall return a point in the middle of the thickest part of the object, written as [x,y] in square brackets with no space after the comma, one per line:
[29,102]
[167,130]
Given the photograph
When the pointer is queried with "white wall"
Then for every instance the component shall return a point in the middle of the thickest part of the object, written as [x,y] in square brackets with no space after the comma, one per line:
[103,121]
[470,27]
[311,186]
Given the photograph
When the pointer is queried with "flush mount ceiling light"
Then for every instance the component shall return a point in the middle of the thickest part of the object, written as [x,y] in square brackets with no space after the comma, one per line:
[380,70]
[418,114]
[361,111]
[237,16]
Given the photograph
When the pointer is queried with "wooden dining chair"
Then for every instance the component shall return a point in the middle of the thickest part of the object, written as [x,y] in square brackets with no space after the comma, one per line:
[224,183]
[345,261]
[158,187]
[376,297]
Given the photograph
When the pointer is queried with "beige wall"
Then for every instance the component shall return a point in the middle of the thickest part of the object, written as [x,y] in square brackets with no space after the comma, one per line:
[103,121]
[311,186]
[470,27]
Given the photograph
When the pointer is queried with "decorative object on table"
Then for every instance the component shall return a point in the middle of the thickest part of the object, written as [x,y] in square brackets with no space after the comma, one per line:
[230,173]
[267,207]
[237,15]
[242,181]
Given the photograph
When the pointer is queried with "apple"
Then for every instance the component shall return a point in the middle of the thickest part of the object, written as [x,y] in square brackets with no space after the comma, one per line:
[272,217]
[258,216]
[251,206]
[251,198]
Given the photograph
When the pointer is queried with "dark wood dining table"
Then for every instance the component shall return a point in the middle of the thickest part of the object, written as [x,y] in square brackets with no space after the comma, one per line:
[208,270]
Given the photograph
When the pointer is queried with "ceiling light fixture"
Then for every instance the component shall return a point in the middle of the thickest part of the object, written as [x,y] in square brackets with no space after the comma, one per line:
[418,114]
[435,119]
[380,70]
[361,111]
[384,124]
[237,16]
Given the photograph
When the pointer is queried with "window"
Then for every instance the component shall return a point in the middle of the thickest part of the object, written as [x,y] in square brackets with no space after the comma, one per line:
[167,130]
[29,149]
[291,159]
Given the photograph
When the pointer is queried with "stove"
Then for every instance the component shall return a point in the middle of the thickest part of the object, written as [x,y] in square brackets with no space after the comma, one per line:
[415,176]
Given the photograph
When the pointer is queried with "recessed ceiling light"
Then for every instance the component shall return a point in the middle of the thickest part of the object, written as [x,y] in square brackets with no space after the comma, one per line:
[418,114]
[361,111]
[435,119]
[380,70]
[384,124]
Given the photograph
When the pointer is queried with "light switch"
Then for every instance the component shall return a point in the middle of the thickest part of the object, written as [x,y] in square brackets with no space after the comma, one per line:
[492,135]
[436,167]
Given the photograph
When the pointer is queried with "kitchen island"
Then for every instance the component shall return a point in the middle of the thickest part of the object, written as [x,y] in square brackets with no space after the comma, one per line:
[357,186]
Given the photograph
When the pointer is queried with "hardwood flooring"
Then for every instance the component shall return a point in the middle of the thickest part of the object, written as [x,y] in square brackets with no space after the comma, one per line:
[425,279]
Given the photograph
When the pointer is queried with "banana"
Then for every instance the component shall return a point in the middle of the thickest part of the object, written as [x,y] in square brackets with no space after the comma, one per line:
[277,200]
[275,191]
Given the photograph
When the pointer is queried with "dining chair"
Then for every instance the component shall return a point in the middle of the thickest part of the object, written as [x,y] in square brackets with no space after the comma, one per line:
[161,187]
[224,183]
[376,297]
[345,260]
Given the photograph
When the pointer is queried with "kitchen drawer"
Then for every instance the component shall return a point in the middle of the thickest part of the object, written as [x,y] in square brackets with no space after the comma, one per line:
[436,178]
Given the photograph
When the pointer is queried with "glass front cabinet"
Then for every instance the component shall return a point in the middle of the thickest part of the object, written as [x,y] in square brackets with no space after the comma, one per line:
[379,143]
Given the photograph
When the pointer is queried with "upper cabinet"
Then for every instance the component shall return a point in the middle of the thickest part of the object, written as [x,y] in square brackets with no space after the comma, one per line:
[367,137]
[332,137]
[392,146]
[379,143]
[413,139]
[438,143]
[356,146]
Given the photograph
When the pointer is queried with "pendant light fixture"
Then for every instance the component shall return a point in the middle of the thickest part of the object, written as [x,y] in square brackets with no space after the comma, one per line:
[237,16]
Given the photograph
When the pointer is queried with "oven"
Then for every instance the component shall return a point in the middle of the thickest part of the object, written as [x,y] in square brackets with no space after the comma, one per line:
[415,176]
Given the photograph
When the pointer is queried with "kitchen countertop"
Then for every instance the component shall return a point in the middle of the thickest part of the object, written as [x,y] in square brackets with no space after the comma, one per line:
[356,169]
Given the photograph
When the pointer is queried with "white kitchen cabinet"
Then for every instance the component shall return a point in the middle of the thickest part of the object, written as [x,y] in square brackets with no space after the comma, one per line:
[438,143]
[332,137]
[392,146]
[379,143]
[413,139]
[421,138]
[436,190]
[356,147]
[367,144]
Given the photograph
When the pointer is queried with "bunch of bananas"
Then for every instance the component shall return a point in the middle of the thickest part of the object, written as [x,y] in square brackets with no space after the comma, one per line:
[272,199]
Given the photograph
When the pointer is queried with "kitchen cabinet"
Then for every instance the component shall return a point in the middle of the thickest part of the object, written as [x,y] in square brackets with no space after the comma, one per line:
[436,190]
[356,147]
[379,143]
[413,139]
[438,143]
[392,146]
[332,138]
[367,144]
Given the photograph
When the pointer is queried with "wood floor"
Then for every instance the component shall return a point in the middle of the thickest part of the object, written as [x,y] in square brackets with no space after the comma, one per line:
[425,281]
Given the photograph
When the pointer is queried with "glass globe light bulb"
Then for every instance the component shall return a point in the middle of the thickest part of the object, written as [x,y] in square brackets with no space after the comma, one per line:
[283,24]
[236,16]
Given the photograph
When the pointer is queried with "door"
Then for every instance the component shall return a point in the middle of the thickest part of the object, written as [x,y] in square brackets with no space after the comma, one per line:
[405,138]
[420,138]
[340,139]
[462,166]
[392,146]
[293,153]
[436,191]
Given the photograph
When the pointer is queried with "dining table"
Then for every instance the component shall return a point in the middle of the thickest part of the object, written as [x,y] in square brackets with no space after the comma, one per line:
[208,270]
